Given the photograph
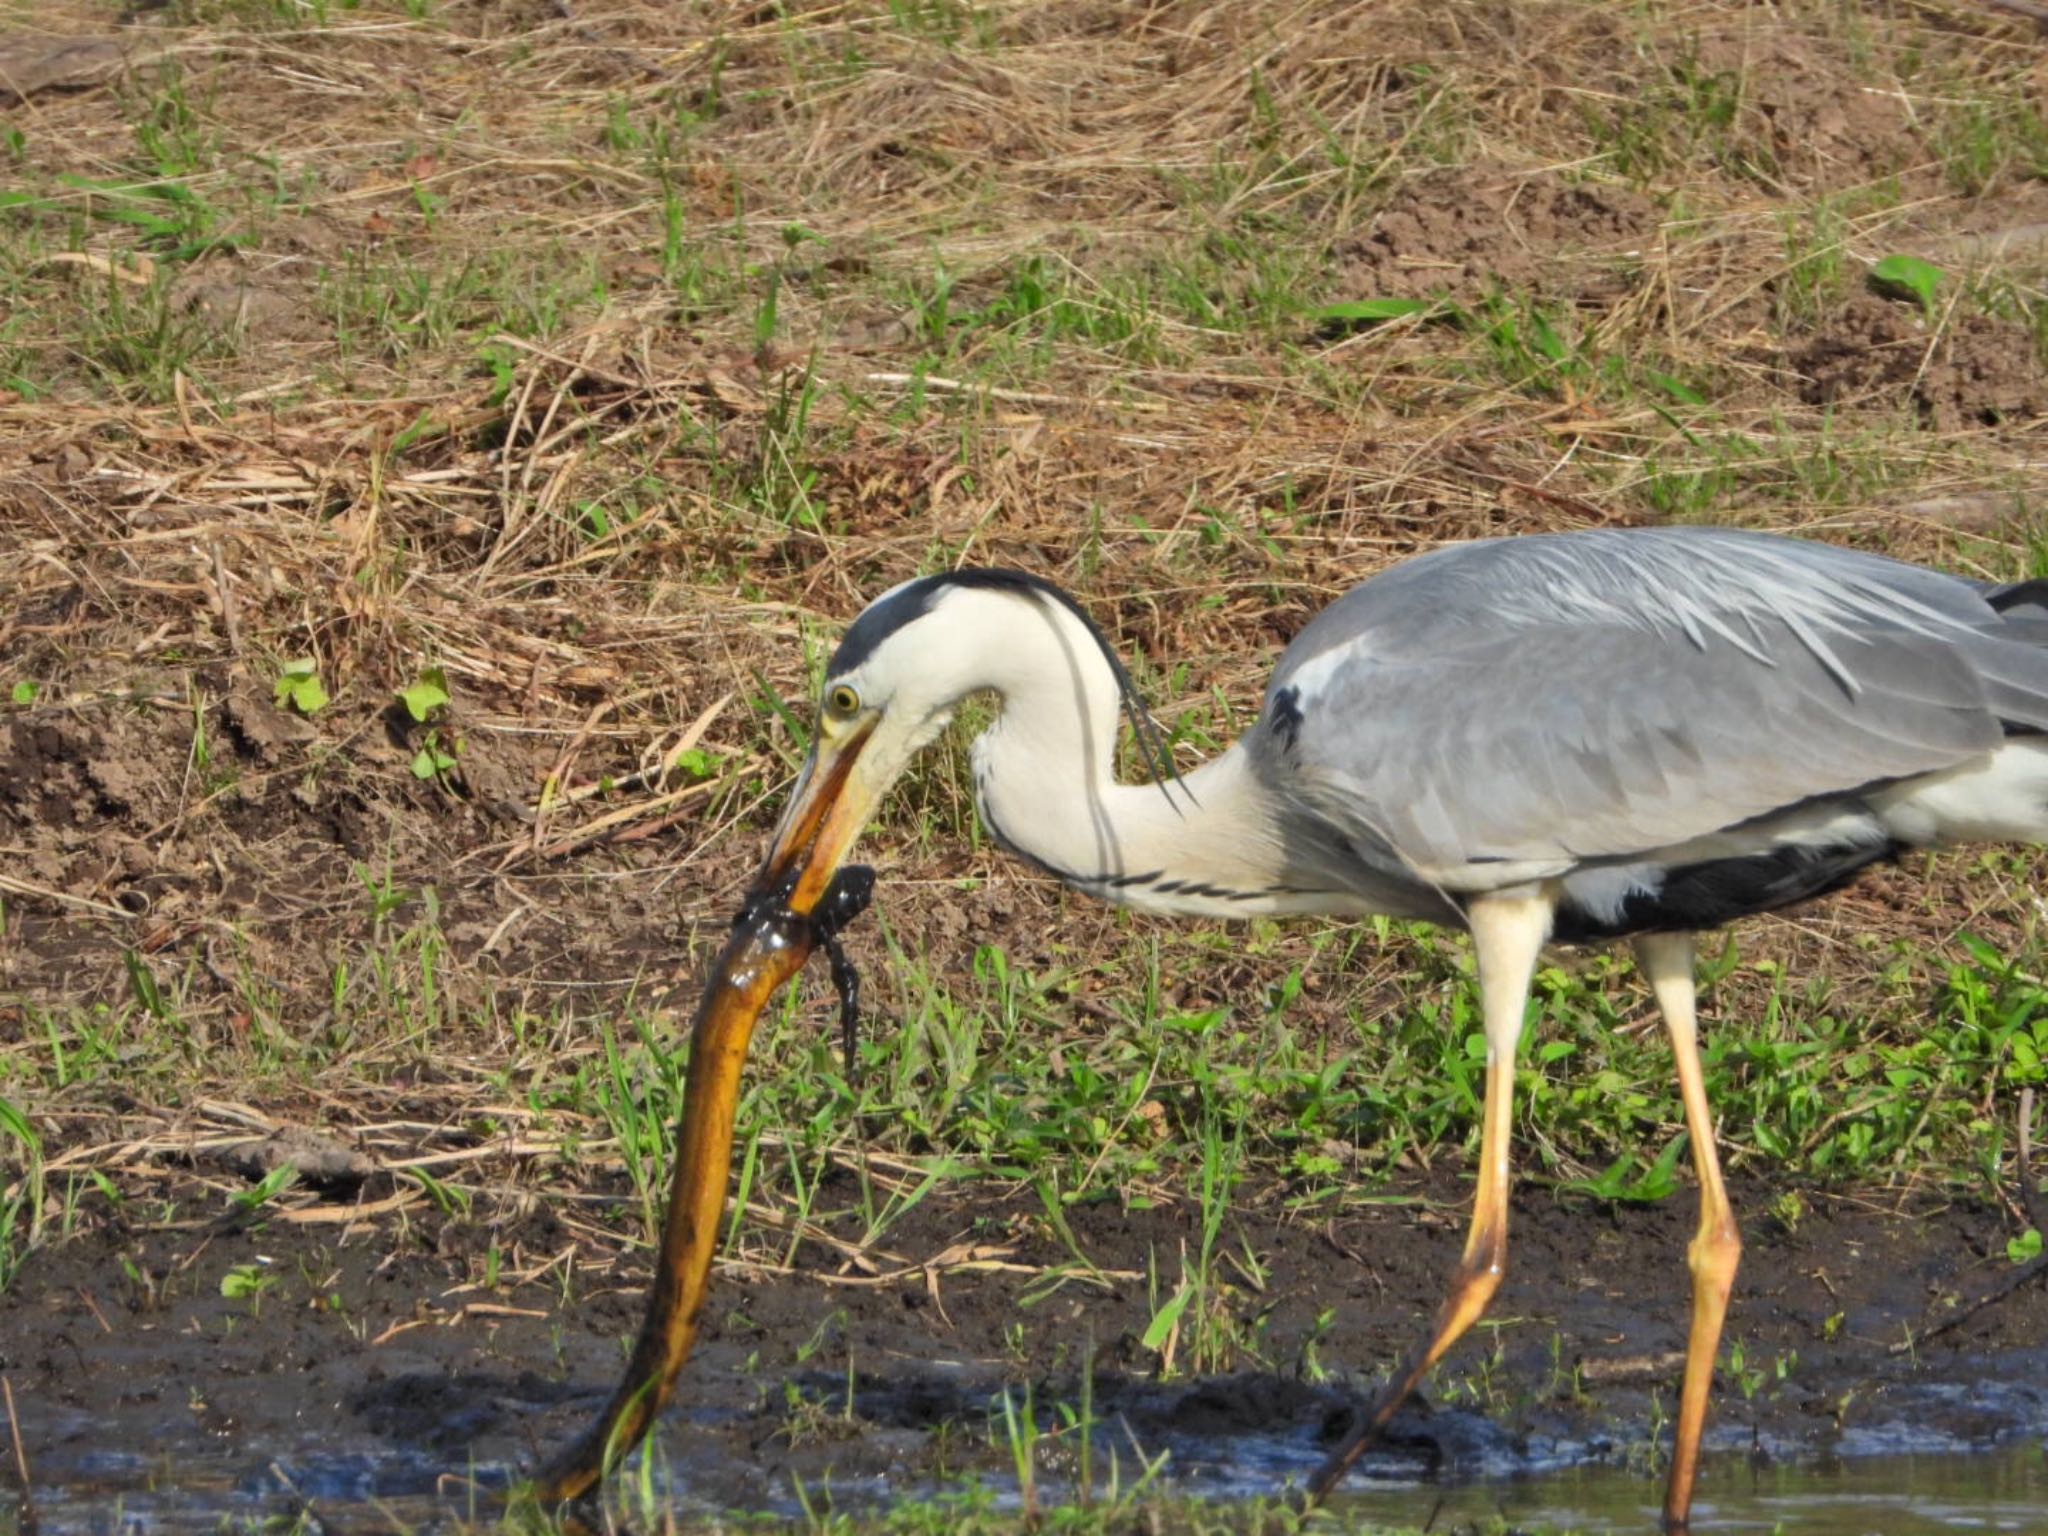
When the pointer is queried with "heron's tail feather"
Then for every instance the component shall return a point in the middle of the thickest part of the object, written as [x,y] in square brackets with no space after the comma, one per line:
[2001,799]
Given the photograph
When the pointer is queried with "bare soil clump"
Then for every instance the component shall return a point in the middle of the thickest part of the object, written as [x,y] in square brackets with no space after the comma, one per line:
[1974,373]
[1471,231]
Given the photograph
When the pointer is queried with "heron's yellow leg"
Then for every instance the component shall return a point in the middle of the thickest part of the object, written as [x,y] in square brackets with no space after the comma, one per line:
[1667,963]
[1507,935]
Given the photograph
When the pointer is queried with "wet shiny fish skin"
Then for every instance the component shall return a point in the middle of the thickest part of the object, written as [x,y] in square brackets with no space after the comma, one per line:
[767,946]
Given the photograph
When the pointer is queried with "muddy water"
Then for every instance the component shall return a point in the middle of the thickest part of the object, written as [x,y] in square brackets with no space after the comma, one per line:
[1900,1495]
[1894,1496]
[373,1380]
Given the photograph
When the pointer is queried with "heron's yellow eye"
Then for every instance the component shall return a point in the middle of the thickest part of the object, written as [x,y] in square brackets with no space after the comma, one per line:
[842,702]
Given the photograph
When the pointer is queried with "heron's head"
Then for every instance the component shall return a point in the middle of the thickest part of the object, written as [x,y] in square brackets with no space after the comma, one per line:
[903,665]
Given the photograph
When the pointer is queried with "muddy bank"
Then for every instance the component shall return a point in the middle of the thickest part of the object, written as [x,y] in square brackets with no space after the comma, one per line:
[255,1367]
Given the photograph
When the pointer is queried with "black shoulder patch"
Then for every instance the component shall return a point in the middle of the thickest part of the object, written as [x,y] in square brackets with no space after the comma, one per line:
[2020,594]
[1713,892]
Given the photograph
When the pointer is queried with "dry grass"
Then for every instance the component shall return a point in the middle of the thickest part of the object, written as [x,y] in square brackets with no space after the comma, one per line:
[606,357]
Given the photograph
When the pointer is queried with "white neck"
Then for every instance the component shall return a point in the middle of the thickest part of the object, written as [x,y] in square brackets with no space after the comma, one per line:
[1045,784]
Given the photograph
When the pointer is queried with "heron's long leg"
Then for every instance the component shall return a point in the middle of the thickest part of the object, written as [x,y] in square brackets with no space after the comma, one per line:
[1667,962]
[1507,934]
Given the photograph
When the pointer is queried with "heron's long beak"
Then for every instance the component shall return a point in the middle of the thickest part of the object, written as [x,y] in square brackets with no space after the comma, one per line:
[831,804]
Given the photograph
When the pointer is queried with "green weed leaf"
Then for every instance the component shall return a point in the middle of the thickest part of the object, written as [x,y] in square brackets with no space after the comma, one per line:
[143,982]
[24,692]
[1621,1183]
[1908,278]
[1545,340]
[2025,1248]
[1357,314]
[299,686]
[430,762]
[423,426]
[1677,389]
[15,1124]
[1160,1329]
[453,1201]
[425,696]
[267,1189]
[499,360]
[244,1281]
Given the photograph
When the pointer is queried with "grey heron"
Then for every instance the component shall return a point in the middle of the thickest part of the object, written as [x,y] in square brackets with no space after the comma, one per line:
[1568,737]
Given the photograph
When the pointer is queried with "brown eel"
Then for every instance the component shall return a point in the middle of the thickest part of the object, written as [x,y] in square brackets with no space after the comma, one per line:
[768,945]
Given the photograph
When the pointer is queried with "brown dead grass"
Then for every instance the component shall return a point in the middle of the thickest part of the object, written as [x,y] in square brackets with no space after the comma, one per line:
[292,447]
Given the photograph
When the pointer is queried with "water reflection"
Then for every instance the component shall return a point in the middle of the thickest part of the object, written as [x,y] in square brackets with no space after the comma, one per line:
[1906,1495]
[1925,1495]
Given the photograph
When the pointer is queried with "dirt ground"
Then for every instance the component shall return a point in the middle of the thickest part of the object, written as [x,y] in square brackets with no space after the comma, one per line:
[460,390]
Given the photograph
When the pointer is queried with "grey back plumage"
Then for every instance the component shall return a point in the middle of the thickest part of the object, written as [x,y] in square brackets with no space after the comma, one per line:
[1548,700]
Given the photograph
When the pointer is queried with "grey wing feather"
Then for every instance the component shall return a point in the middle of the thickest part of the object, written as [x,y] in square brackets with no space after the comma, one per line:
[1543,701]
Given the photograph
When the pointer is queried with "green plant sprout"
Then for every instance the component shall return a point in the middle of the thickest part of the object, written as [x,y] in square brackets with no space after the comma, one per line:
[298,686]
[425,699]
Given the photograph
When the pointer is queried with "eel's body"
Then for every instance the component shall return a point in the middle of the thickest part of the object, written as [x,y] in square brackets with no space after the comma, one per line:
[767,947]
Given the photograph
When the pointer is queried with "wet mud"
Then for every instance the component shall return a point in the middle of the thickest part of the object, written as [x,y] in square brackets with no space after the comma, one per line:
[188,1372]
